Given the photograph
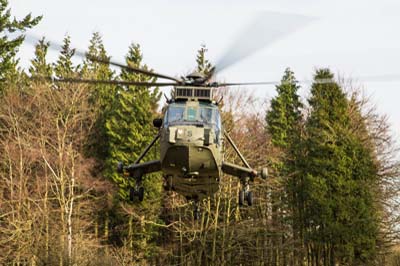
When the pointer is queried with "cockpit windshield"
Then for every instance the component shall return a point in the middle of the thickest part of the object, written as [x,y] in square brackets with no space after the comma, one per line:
[175,113]
[204,114]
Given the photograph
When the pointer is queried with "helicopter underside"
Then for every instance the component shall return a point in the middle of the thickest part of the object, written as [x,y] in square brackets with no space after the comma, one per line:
[193,188]
[191,170]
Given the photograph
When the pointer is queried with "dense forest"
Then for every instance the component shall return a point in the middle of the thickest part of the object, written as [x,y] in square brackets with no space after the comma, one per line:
[331,197]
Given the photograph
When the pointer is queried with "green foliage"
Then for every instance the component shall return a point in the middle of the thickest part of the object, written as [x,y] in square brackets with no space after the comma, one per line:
[129,125]
[102,94]
[39,66]
[203,65]
[92,69]
[102,97]
[64,67]
[339,172]
[283,120]
[9,46]
[129,130]
[328,175]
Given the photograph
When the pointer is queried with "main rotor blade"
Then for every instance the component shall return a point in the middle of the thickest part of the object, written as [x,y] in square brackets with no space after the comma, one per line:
[105,82]
[264,30]
[375,78]
[131,68]
[247,83]
[33,40]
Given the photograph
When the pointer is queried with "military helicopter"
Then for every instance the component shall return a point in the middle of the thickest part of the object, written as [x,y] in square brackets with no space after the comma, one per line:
[192,138]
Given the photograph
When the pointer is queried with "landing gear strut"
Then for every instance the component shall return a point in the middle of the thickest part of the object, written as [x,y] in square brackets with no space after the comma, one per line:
[136,172]
[133,192]
[137,190]
[245,194]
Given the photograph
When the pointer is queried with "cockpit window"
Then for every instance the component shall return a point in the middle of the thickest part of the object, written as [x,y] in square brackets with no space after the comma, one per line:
[203,115]
[206,114]
[191,114]
[175,113]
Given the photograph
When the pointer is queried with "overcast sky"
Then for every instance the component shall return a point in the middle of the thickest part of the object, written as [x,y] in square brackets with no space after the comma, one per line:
[354,38]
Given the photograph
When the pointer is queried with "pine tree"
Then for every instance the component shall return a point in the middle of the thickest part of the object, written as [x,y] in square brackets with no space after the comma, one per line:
[284,118]
[203,65]
[284,121]
[9,46]
[102,97]
[39,66]
[129,130]
[64,67]
[94,69]
[338,172]
[129,125]
[102,94]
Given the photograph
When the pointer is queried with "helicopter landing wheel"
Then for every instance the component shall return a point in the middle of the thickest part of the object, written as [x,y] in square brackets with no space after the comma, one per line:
[132,193]
[139,193]
[249,198]
[241,197]
[245,196]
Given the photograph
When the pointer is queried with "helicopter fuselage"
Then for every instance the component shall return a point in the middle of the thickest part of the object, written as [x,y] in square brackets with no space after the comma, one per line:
[191,148]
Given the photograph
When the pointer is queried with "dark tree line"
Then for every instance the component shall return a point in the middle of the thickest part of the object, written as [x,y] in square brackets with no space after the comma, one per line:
[330,173]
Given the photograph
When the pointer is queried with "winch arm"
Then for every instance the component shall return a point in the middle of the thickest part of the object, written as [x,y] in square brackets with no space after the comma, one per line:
[147,149]
[137,169]
[236,149]
[238,171]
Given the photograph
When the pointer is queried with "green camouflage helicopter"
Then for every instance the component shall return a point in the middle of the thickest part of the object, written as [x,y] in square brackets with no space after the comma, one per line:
[192,138]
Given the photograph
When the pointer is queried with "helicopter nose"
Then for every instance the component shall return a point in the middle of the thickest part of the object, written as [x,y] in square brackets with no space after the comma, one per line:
[189,159]
[177,157]
[192,134]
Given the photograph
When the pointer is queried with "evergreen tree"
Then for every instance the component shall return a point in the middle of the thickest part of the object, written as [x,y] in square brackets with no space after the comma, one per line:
[338,172]
[39,66]
[203,65]
[9,46]
[102,96]
[94,69]
[284,118]
[129,126]
[284,121]
[64,67]
[129,130]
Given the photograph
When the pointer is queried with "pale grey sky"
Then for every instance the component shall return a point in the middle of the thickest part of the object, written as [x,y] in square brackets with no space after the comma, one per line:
[355,38]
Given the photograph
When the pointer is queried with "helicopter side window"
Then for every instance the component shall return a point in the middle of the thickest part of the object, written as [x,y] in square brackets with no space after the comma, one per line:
[175,113]
[217,125]
[165,123]
[218,120]
[206,115]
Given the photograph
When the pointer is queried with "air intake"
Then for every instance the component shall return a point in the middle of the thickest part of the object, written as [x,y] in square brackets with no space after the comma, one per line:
[193,93]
